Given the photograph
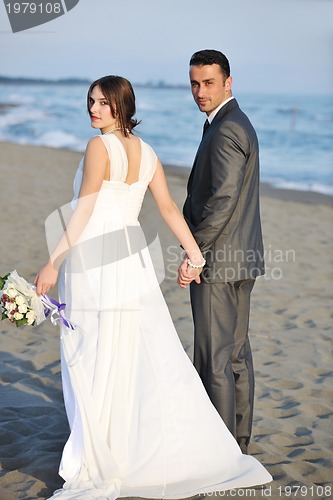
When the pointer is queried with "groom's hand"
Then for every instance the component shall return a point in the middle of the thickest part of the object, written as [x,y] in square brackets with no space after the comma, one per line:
[187,274]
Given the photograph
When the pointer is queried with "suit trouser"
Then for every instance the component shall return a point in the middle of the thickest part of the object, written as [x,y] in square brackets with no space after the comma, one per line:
[222,352]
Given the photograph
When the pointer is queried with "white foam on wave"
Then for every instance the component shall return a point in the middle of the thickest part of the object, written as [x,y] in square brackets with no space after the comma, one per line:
[323,117]
[52,139]
[60,139]
[21,98]
[302,186]
[146,106]
[18,116]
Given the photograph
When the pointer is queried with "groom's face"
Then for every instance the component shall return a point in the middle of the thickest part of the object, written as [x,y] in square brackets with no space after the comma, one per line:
[209,86]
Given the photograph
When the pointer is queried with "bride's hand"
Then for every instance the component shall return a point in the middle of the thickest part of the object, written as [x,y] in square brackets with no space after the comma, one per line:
[187,274]
[46,279]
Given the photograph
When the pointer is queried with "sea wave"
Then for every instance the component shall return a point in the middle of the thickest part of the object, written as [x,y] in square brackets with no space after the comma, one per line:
[300,186]
[60,139]
[295,133]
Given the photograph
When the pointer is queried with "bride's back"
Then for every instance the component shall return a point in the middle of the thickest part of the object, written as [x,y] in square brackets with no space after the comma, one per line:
[133,150]
[131,160]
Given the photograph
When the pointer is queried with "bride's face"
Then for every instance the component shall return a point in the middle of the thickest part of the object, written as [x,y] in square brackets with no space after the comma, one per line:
[100,111]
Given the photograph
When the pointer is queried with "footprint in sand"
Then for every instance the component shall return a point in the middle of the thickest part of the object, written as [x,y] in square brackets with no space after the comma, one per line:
[286,384]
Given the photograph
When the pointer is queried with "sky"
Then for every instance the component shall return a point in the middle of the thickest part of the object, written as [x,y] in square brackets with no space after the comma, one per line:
[273,46]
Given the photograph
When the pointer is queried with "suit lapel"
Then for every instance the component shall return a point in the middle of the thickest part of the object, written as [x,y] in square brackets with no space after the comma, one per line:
[217,119]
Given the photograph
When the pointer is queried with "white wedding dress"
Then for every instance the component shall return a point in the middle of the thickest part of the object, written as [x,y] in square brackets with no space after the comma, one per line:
[141,422]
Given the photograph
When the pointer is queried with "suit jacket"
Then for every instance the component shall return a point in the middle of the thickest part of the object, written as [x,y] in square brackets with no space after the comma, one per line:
[222,204]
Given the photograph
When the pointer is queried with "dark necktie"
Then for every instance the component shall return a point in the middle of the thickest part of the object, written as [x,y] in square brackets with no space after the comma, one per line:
[205,128]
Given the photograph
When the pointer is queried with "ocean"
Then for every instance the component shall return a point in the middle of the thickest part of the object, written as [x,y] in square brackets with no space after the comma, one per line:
[295,132]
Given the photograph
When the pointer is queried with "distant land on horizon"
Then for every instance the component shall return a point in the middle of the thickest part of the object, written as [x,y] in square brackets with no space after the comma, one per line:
[74,81]
[150,84]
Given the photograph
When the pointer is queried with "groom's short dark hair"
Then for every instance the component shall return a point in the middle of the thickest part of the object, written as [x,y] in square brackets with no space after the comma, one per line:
[210,56]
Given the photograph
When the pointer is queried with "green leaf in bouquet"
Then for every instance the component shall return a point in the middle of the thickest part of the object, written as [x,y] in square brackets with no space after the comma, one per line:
[4,316]
[3,280]
[21,322]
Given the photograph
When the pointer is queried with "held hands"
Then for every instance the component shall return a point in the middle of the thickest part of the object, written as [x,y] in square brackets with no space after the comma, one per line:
[46,279]
[187,274]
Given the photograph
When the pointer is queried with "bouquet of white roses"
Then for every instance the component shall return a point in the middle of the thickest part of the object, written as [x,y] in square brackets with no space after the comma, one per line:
[20,304]
[19,301]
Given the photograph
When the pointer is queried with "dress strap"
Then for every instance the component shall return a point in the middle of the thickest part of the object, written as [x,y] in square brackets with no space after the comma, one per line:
[117,157]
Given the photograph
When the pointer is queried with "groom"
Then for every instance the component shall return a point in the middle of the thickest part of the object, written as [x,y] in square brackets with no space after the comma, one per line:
[222,211]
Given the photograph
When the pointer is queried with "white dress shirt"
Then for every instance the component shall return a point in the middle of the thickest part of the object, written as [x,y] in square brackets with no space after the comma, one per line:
[211,117]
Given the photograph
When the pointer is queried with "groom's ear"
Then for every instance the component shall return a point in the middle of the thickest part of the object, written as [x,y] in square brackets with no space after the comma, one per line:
[228,83]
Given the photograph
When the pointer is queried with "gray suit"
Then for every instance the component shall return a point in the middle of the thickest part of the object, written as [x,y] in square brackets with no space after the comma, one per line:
[222,211]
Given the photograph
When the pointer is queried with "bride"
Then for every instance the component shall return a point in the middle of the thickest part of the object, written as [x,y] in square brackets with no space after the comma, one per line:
[141,422]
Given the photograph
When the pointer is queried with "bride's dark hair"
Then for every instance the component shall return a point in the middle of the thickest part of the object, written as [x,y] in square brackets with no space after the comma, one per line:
[121,98]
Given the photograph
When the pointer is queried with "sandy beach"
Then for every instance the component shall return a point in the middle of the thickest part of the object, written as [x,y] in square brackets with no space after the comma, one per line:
[290,330]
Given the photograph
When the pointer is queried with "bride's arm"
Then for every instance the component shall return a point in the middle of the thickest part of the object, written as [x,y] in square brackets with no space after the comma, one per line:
[176,222]
[95,165]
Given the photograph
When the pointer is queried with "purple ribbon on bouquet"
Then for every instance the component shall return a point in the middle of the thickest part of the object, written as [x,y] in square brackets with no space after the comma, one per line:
[53,307]
[56,310]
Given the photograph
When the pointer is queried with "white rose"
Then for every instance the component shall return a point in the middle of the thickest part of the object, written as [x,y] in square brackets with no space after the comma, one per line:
[23,308]
[18,315]
[12,293]
[9,306]
[30,317]
[19,300]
